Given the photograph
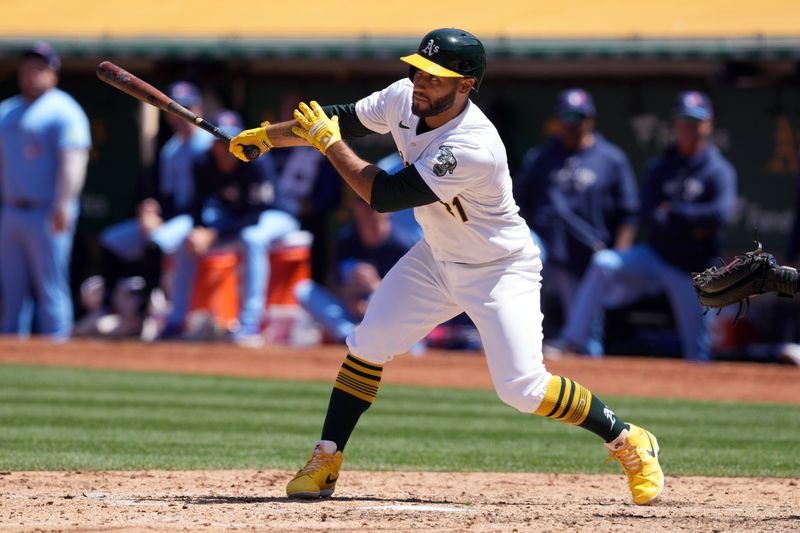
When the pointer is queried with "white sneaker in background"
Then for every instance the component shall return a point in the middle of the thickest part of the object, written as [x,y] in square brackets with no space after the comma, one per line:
[150,329]
[107,323]
[790,353]
[158,309]
[90,324]
[158,306]
[127,326]
[248,340]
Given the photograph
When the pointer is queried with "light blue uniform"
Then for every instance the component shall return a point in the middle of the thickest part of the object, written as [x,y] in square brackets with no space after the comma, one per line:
[34,261]
[175,183]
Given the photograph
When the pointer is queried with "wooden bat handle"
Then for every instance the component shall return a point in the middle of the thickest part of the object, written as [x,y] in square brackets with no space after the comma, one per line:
[126,82]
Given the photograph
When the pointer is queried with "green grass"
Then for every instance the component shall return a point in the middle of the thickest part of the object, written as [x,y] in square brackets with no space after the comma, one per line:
[57,418]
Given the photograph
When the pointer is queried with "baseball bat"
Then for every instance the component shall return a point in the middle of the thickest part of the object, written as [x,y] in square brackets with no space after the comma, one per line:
[126,82]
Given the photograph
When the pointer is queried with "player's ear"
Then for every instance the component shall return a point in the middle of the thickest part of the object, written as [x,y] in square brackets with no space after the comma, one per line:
[465,85]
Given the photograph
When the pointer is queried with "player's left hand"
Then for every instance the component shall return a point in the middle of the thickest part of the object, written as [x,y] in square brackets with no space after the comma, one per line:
[315,126]
[254,137]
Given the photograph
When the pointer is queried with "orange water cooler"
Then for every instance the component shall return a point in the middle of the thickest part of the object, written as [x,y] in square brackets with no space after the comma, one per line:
[216,288]
[285,321]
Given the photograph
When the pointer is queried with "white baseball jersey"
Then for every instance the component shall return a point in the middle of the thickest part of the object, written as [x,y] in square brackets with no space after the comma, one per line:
[464,163]
[477,255]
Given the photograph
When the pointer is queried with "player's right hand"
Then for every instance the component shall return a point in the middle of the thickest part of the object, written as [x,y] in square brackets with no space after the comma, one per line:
[255,137]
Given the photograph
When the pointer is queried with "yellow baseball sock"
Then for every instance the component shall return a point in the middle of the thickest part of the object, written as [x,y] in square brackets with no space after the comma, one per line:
[572,403]
[354,391]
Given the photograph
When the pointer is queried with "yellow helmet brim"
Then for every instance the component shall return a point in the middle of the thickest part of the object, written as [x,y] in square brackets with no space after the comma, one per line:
[426,65]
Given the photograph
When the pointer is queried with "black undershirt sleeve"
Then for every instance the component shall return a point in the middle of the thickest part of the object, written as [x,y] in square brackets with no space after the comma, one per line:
[406,188]
[349,125]
[393,192]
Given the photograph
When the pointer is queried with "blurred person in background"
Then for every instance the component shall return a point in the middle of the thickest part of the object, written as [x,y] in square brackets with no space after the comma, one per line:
[44,150]
[234,203]
[578,193]
[365,251]
[688,199]
[311,191]
[118,299]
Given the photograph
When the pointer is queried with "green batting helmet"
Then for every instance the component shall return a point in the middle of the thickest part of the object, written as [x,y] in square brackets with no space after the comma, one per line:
[449,53]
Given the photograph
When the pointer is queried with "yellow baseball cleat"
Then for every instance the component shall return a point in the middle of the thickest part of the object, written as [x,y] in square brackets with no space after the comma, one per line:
[637,451]
[318,478]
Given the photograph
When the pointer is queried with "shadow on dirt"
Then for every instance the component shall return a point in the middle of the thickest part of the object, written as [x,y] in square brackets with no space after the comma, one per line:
[246,500]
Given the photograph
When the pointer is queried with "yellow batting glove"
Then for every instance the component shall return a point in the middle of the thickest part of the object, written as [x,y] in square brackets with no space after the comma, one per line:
[255,137]
[315,126]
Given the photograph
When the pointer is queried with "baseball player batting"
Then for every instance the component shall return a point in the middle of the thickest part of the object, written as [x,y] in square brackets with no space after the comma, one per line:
[476,256]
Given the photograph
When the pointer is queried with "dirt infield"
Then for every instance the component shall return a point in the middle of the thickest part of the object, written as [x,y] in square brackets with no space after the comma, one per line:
[398,501]
[387,501]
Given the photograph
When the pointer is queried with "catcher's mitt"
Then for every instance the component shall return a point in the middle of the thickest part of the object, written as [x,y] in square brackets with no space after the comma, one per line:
[754,272]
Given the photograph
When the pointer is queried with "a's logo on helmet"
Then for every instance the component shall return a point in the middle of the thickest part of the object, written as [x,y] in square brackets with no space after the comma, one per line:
[430,48]
[445,161]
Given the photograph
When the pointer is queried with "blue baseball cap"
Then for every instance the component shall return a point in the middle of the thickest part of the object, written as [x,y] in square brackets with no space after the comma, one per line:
[43,50]
[229,121]
[575,103]
[185,93]
[693,104]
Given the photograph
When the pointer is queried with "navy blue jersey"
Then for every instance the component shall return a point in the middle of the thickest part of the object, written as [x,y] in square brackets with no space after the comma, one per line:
[243,194]
[576,201]
[700,193]
[350,250]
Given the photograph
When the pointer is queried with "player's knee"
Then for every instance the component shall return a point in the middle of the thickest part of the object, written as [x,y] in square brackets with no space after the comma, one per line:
[373,345]
[524,393]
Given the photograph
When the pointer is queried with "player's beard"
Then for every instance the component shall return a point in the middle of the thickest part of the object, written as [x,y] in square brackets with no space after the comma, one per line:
[437,106]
